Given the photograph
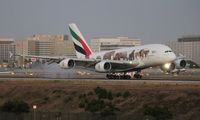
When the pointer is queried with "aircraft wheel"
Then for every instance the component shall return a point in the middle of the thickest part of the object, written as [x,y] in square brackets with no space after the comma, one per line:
[117,77]
[128,77]
[109,76]
[122,77]
[138,76]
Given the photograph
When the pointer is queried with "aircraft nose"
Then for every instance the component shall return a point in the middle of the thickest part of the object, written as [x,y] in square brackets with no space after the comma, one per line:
[173,56]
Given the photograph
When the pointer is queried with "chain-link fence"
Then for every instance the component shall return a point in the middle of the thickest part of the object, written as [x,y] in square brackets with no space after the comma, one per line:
[54,116]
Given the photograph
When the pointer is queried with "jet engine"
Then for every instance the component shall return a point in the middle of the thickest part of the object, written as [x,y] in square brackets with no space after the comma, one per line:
[180,63]
[177,64]
[103,66]
[67,64]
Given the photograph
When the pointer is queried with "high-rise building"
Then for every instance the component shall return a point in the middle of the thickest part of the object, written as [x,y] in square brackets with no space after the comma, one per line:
[102,44]
[7,46]
[189,46]
[46,45]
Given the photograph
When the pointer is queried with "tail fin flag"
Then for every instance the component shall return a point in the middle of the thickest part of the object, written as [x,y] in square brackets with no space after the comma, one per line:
[80,45]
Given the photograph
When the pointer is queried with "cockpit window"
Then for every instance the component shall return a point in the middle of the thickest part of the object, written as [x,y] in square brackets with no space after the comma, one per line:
[168,51]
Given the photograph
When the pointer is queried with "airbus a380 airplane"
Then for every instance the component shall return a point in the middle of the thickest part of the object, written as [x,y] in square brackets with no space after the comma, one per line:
[121,61]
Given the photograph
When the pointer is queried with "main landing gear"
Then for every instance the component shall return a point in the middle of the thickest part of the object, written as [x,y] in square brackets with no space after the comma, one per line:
[137,75]
[118,76]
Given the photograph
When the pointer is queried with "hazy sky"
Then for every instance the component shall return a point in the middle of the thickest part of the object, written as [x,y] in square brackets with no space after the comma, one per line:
[153,21]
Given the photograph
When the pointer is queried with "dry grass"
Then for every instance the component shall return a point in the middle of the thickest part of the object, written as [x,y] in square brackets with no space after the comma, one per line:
[183,100]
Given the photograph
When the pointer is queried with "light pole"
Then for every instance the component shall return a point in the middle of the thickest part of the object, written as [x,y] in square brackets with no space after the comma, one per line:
[34,114]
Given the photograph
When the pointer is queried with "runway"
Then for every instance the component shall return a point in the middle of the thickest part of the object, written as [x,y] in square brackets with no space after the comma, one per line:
[121,82]
[150,75]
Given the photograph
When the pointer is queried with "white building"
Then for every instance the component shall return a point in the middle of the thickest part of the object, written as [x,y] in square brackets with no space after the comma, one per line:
[7,45]
[45,45]
[189,46]
[102,44]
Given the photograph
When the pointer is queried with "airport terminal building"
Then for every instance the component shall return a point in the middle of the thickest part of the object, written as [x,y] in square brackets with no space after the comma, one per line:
[189,46]
[103,44]
[45,45]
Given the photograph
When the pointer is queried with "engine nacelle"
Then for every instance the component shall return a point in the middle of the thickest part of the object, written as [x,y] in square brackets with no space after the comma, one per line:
[103,66]
[67,64]
[177,64]
[180,63]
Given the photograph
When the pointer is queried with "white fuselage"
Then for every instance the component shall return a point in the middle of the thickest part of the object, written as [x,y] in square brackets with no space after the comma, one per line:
[146,55]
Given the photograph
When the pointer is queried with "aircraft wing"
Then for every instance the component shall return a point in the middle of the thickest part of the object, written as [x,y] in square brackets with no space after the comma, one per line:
[100,65]
[44,57]
[50,59]
[90,64]
[181,56]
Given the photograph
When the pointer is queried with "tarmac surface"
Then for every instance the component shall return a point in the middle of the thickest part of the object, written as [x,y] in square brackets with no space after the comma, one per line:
[53,72]
[192,77]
